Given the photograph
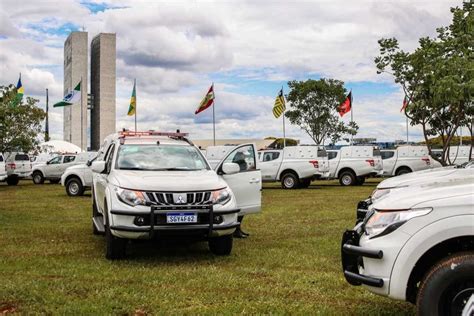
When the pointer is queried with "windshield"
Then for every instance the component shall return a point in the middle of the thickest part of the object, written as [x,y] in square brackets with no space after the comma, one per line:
[160,157]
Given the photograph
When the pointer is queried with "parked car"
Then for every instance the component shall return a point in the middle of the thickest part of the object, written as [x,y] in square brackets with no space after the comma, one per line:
[55,167]
[417,244]
[405,159]
[78,179]
[353,164]
[41,158]
[294,166]
[3,168]
[457,155]
[412,179]
[154,184]
[18,167]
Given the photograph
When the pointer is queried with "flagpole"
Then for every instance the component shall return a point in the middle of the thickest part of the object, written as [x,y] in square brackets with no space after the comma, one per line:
[46,130]
[82,120]
[407,130]
[214,114]
[284,134]
[352,118]
[135,86]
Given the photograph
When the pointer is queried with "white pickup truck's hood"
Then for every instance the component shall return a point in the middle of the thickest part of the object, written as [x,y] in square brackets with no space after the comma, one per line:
[426,193]
[424,176]
[177,181]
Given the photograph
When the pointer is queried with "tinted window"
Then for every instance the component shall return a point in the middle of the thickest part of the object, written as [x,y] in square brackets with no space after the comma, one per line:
[322,152]
[1,158]
[376,152]
[271,156]
[387,154]
[22,157]
[332,155]
[55,160]
[69,159]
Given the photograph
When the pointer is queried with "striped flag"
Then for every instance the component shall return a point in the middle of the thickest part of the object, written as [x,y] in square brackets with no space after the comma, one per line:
[279,106]
[133,101]
[405,104]
[19,91]
[72,97]
[207,101]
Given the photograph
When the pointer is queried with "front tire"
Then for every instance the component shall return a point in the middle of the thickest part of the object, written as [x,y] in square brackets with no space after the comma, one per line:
[403,170]
[347,178]
[289,181]
[74,187]
[447,287]
[115,246]
[38,177]
[221,246]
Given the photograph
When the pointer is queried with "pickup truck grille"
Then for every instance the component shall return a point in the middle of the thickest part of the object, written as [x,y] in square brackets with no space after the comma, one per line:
[168,198]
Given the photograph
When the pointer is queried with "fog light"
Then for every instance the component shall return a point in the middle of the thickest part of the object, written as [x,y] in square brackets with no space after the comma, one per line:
[218,219]
[139,221]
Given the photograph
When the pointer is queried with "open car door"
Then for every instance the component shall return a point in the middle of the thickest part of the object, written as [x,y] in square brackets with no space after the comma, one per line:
[247,183]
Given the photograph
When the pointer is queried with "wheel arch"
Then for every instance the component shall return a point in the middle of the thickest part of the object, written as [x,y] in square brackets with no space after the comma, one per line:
[431,257]
[403,167]
[288,170]
[343,169]
[72,176]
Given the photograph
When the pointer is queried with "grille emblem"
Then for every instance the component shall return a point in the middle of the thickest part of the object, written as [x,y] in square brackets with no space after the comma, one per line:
[179,199]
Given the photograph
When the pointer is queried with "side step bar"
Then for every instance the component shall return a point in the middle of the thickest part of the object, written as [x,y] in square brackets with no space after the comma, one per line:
[98,223]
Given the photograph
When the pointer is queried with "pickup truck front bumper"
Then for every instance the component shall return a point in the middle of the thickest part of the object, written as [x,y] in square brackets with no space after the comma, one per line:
[147,224]
[352,258]
[362,209]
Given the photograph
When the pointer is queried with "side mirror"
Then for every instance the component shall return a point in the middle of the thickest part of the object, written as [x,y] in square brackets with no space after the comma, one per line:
[230,168]
[47,162]
[98,166]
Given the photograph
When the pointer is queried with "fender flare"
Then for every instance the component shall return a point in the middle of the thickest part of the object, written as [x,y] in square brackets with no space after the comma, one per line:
[430,235]
[74,175]
[288,170]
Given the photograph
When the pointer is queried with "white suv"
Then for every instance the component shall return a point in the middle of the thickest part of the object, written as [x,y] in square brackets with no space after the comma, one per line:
[417,244]
[54,168]
[153,184]
[18,167]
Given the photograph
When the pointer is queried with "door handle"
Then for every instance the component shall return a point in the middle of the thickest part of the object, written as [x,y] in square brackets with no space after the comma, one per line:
[254,180]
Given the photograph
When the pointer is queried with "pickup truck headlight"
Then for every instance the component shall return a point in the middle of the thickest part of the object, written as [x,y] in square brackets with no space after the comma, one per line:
[378,193]
[383,222]
[131,197]
[221,196]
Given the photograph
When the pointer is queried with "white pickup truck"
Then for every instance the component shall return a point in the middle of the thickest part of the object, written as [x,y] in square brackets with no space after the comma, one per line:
[153,185]
[53,169]
[405,159]
[295,166]
[18,167]
[353,164]
[457,155]
[417,244]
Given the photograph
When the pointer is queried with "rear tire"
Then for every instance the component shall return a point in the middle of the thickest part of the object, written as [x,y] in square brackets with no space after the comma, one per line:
[447,287]
[290,181]
[74,187]
[115,246]
[347,178]
[38,177]
[13,180]
[403,170]
[305,183]
[221,246]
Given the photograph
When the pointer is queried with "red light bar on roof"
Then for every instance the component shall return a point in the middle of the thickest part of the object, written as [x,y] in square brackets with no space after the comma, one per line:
[152,133]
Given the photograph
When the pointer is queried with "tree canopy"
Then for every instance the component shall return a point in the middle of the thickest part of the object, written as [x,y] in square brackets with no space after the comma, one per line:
[437,79]
[313,107]
[20,121]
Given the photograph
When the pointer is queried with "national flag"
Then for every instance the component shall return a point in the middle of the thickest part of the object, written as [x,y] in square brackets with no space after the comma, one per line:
[133,101]
[207,101]
[72,97]
[279,107]
[405,104]
[345,106]
[19,91]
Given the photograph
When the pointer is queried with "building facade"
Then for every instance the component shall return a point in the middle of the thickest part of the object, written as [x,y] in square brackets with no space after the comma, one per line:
[75,71]
[103,53]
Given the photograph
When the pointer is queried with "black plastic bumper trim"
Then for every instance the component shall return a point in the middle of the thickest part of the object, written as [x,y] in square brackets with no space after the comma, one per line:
[138,213]
[146,229]
[359,278]
[360,251]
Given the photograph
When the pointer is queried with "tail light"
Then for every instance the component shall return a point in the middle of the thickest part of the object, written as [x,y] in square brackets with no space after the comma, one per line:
[315,163]
[426,160]
[371,162]
[12,165]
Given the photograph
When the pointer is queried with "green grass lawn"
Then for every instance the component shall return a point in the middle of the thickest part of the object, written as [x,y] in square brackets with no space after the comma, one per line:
[50,262]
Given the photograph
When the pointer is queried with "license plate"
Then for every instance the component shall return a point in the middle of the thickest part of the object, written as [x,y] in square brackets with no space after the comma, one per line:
[175,218]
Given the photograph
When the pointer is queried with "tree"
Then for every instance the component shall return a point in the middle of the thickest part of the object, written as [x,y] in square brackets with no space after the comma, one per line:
[437,79]
[20,122]
[313,107]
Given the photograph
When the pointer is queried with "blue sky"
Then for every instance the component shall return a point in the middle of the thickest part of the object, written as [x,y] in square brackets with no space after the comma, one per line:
[248,49]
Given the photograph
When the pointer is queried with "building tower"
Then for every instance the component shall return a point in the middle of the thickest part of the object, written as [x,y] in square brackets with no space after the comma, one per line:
[75,70]
[103,54]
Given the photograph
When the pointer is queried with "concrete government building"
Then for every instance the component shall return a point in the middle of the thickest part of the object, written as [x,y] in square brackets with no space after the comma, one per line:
[102,89]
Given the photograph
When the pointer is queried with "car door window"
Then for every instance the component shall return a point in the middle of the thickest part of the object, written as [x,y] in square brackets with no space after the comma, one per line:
[68,159]
[55,160]
[387,154]
[108,158]
[332,155]
[243,156]
[271,156]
